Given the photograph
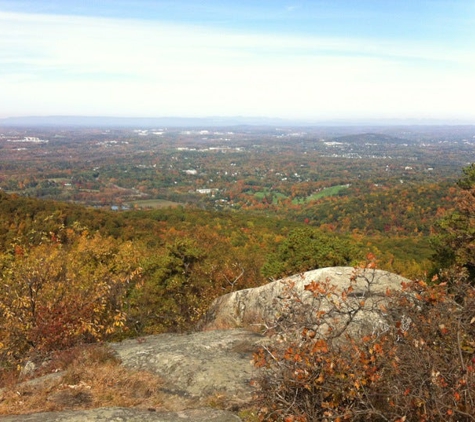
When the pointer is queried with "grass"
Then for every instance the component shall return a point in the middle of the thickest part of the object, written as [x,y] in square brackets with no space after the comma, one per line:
[87,377]
[275,195]
[331,191]
[249,415]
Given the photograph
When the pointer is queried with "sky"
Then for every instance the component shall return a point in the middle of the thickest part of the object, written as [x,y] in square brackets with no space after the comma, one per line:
[291,59]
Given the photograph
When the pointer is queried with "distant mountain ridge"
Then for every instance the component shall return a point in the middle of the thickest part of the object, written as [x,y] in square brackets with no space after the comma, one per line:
[149,122]
[211,121]
[365,138]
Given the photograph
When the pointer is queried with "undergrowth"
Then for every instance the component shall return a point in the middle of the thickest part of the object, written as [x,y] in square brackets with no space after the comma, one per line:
[84,377]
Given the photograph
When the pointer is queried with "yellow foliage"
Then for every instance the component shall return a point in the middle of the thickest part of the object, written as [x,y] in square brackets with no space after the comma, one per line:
[55,295]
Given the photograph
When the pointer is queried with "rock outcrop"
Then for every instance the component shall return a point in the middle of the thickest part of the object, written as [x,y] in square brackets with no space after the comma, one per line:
[251,307]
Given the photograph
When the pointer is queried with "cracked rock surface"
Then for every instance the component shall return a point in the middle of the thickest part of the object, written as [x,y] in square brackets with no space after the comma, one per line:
[256,305]
[198,365]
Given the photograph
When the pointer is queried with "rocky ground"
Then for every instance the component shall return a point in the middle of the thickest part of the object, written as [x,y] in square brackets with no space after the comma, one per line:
[198,367]
[208,374]
[207,378]
[118,414]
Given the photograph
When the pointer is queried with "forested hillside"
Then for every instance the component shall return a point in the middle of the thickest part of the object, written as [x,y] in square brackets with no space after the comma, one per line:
[139,271]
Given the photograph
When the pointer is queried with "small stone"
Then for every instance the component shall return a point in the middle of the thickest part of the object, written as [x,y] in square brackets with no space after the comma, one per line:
[28,369]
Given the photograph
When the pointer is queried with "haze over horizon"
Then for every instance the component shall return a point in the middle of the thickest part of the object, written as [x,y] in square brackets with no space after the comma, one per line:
[297,60]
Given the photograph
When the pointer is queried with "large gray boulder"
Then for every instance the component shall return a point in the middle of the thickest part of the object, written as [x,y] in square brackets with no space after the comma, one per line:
[260,305]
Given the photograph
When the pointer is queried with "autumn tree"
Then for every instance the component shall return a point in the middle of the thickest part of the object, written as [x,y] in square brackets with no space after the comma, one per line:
[67,290]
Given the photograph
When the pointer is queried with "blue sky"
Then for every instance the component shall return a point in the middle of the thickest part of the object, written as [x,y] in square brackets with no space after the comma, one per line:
[323,59]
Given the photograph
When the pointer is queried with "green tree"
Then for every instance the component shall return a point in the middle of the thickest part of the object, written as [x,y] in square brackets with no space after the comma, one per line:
[455,241]
[307,249]
[169,296]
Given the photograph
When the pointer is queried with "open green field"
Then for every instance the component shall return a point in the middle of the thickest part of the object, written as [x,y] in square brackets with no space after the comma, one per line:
[275,195]
[331,191]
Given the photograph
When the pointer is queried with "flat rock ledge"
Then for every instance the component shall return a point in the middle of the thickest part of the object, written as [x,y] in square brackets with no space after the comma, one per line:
[121,414]
[197,367]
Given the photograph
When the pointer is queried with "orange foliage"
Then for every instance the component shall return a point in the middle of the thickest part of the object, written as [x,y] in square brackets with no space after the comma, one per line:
[416,364]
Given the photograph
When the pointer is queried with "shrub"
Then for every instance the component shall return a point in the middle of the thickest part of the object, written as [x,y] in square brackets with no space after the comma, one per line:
[403,356]
[61,293]
[87,376]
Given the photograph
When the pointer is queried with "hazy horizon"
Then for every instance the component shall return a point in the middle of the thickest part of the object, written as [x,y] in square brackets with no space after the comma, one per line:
[293,60]
[217,121]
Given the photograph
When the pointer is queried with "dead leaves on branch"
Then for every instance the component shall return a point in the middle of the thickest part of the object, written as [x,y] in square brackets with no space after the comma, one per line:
[412,361]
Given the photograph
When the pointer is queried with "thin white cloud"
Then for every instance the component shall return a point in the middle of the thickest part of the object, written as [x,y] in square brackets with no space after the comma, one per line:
[81,65]
[292,8]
